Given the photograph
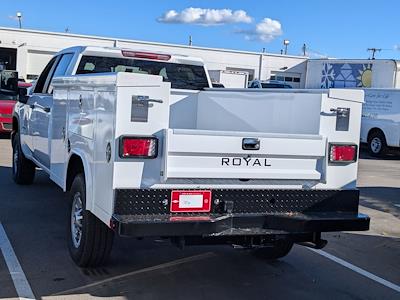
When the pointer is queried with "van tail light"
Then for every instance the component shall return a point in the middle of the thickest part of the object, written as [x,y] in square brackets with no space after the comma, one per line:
[340,153]
[138,147]
[146,55]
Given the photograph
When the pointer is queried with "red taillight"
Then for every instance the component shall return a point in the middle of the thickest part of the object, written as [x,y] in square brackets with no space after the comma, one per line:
[146,55]
[343,153]
[139,147]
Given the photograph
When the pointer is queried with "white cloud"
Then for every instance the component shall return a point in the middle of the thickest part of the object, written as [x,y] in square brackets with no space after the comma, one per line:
[315,54]
[205,16]
[14,18]
[265,31]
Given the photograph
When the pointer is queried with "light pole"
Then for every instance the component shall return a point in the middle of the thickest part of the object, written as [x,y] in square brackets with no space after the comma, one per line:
[286,43]
[19,16]
[304,49]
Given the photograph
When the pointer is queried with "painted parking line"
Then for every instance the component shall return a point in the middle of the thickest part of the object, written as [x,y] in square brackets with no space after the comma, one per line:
[141,271]
[18,277]
[358,270]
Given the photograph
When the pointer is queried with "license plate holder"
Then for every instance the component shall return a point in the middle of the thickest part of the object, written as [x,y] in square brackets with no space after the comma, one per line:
[190,201]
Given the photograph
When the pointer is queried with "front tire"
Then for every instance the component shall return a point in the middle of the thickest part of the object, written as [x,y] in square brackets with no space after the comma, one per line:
[89,239]
[377,146]
[276,250]
[23,170]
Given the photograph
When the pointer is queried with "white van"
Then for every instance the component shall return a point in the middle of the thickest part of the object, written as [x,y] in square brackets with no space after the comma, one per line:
[380,126]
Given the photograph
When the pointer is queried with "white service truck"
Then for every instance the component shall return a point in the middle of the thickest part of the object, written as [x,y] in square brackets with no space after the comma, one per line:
[380,126]
[229,79]
[146,149]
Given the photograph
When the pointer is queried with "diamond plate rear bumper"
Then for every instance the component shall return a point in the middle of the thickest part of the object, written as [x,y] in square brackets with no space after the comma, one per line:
[240,212]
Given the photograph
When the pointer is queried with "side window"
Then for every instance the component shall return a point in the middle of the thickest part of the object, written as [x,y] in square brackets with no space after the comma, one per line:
[43,76]
[60,70]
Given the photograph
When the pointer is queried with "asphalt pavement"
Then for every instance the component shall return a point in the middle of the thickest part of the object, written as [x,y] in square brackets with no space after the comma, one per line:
[353,265]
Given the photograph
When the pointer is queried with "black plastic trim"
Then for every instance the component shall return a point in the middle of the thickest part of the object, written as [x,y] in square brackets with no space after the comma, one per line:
[239,225]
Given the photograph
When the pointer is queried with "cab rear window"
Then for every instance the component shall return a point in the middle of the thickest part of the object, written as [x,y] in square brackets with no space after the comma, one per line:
[181,76]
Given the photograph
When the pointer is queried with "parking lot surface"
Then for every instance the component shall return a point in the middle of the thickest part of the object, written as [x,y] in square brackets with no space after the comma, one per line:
[353,265]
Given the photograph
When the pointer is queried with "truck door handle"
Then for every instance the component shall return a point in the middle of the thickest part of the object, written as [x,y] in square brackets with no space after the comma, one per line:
[46,109]
[154,100]
[146,99]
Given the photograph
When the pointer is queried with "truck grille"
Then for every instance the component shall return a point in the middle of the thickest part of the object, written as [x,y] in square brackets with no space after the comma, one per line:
[8,116]
[7,126]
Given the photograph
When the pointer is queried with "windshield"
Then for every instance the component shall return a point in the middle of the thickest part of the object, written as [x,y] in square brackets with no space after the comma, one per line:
[4,96]
[275,85]
[8,85]
[181,76]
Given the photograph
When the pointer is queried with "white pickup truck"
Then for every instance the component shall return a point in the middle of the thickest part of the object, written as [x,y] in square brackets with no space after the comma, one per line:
[147,149]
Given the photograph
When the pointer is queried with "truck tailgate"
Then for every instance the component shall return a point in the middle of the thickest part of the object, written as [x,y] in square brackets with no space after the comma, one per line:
[220,154]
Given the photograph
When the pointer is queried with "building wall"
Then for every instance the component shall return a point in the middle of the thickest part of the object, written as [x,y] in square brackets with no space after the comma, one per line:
[278,66]
[34,49]
[397,75]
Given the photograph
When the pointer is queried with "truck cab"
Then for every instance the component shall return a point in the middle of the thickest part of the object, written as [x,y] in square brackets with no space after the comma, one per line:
[184,73]
[146,148]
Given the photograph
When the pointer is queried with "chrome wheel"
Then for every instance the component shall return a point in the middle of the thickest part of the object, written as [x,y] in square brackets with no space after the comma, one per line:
[76,220]
[376,145]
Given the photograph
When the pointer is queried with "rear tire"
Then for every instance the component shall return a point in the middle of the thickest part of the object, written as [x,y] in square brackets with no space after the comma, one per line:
[377,146]
[23,170]
[89,239]
[274,251]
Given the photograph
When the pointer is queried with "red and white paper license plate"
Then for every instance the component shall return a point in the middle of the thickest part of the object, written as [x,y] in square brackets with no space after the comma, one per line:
[190,201]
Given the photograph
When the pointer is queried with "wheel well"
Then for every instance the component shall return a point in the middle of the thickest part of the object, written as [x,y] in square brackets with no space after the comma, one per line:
[75,167]
[375,130]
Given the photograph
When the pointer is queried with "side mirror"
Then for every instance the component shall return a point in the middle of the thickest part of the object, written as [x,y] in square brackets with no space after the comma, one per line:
[23,95]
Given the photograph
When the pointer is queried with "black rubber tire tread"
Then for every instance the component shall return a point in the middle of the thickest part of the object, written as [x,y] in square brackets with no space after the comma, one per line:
[97,238]
[103,242]
[277,250]
[381,136]
[25,168]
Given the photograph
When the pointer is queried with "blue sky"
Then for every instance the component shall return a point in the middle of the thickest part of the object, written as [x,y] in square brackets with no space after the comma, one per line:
[335,28]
